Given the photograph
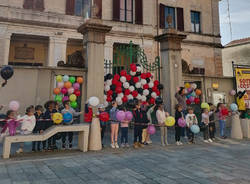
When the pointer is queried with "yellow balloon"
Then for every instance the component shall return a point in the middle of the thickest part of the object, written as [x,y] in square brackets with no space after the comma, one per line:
[187,85]
[59,78]
[72,97]
[170,121]
[205,106]
[57,118]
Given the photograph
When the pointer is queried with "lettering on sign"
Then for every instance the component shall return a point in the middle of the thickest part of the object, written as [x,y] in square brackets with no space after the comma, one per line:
[24,53]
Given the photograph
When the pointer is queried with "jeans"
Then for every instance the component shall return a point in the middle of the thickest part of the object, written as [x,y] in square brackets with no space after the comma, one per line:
[103,127]
[138,133]
[222,127]
[177,133]
[124,136]
[69,135]
[211,130]
[205,132]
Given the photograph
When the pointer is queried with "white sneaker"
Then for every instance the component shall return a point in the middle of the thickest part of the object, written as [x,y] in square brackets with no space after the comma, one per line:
[122,145]
[149,142]
[112,145]
[210,140]
[180,143]
[206,141]
[20,150]
[116,145]
[127,145]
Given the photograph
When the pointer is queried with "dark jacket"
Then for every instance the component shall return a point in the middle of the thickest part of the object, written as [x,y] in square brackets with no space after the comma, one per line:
[48,118]
[140,117]
[40,124]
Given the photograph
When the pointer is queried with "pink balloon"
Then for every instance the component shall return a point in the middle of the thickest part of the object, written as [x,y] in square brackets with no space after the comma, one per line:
[191,98]
[65,98]
[128,115]
[120,115]
[60,85]
[189,90]
[64,90]
[151,129]
[233,92]
[14,105]
[71,90]
[181,122]
[76,85]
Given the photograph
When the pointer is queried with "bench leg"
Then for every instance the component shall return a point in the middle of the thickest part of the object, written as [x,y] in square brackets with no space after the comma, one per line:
[81,141]
[86,141]
[6,149]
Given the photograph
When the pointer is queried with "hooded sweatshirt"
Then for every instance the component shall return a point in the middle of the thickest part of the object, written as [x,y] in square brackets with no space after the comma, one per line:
[28,123]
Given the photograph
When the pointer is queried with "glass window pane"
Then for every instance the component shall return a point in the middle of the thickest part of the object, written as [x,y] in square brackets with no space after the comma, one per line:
[169,11]
[122,4]
[193,27]
[122,15]
[129,4]
[197,28]
[129,16]
[78,7]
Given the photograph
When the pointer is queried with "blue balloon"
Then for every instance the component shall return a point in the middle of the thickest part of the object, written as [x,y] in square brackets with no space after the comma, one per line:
[234,107]
[188,96]
[195,129]
[67,117]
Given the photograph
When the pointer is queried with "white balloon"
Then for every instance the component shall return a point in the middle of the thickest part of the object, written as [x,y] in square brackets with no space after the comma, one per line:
[138,85]
[94,101]
[154,95]
[119,103]
[105,97]
[139,97]
[131,88]
[143,82]
[139,69]
[109,82]
[126,85]
[130,97]
[144,98]
[118,99]
[132,73]
[145,92]
[193,85]
[106,104]
[151,84]
[123,79]
[107,88]
[121,95]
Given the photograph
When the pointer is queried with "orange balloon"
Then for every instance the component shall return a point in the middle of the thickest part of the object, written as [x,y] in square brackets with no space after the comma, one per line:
[79,80]
[198,92]
[67,84]
[57,91]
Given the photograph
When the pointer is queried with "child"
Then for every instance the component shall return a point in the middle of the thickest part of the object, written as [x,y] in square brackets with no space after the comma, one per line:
[222,120]
[114,126]
[138,118]
[178,115]
[124,132]
[50,110]
[161,118]
[151,115]
[145,120]
[28,123]
[39,126]
[103,125]
[211,126]
[88,114]
[205,120]
[191,120]
[68,109]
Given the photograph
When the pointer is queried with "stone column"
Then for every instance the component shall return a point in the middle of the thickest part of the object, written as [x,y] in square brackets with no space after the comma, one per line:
[171,73]
[4,45]
[57,50]
[93,40]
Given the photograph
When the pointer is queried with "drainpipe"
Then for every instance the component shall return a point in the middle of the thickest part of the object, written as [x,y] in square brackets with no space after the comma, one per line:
[157,24]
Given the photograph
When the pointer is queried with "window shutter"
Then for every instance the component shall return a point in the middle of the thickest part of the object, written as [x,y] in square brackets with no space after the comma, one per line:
[28,4]
[116,10]
[39,5]
[162,16]
[98,3]
[70,7]
[138,12]
[180,19]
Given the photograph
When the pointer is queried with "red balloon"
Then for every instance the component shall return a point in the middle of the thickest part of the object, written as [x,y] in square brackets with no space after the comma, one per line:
[119,84]
[158,92]
[136,79]
[123,73]
[197,101]
[109,92]
[104,116]
[118,90]
[145,86]
[133,67]
[152,101]
[114,81]
[124,99]
[109,98]
[148,75]
[154,88]
[143,75]
[224,112]
[135,93]
[77,92]
[117,77]
[128,77]
[156,82]
[127,92]
[188,102]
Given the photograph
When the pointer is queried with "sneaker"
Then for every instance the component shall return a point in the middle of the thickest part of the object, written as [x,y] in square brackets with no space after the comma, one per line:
[213,139]
[136,145]
[206,141]
[210,140]
[149,142]
[63,147]
[116,145]
[127,145]
[163,144]
[122,145]
[70,146]
[20,150]
[33,150]
[190,142]
[112,145]
[145,143]
[178,143]
[141,145]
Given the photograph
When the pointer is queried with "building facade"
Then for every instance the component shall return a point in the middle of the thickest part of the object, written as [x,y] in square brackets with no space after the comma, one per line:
[43,33]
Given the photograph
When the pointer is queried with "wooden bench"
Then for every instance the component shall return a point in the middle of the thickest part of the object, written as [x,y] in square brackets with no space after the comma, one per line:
[83,137]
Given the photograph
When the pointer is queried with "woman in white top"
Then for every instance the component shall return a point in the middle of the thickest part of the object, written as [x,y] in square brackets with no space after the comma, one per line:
[205,121]
[161,116]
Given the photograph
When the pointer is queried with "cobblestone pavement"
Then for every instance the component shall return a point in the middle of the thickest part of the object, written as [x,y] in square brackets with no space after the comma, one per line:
[223,162]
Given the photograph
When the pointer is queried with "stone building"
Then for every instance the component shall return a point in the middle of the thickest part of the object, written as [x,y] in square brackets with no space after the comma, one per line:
[39,36]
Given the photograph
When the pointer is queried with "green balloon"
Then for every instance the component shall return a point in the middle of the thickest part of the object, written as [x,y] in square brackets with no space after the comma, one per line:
[193,94]
[58,98]
[73,104]
[72,79]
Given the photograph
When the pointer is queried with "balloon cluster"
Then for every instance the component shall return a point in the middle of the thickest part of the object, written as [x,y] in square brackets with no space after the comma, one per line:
[68,88]
[121,116]
[133,85]
[192,93]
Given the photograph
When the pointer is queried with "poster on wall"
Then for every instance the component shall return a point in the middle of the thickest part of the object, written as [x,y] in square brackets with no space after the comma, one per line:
[243,83]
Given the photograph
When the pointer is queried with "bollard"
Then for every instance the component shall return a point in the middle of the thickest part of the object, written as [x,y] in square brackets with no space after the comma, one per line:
[236,131]
[95,143]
